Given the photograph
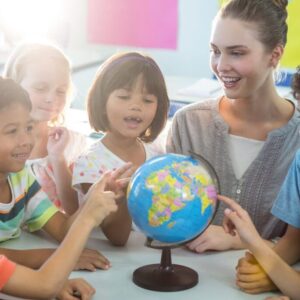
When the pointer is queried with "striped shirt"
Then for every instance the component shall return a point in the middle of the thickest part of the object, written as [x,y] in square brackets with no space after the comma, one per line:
[29,206]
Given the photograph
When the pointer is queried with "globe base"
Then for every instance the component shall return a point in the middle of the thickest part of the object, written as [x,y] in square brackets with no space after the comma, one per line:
[165,277]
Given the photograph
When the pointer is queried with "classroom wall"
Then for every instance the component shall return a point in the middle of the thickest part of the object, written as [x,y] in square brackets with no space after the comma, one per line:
[190,59]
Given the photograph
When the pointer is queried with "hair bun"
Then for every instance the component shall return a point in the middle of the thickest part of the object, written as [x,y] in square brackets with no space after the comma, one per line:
[281,3]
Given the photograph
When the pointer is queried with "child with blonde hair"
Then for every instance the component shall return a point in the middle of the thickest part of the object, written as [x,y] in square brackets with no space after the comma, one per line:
[128,102]
[43,71]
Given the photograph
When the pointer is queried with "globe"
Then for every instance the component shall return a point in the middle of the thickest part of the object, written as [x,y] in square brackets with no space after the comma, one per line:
[172,198]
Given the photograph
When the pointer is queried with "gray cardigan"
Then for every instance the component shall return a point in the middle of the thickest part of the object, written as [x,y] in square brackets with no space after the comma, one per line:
[199,127]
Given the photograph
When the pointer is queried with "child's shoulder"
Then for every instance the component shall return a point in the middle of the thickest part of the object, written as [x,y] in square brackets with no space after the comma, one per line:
[96,156]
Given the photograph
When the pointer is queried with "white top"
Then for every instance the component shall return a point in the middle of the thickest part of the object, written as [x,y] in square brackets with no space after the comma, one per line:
[242,152]
[90,166]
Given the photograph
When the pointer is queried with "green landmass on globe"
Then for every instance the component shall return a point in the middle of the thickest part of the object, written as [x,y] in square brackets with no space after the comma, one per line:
[168,191]
[172,198]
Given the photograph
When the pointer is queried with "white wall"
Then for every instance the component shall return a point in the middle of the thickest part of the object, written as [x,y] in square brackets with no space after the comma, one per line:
[189,60]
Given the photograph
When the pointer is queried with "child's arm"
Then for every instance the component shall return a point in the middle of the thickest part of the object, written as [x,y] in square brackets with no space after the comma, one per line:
[253,279]
[32,258]
[117,226]
[45,282]
[285,277]
[57,142]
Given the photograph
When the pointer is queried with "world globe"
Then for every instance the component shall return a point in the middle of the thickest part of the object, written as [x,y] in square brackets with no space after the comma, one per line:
[172,198]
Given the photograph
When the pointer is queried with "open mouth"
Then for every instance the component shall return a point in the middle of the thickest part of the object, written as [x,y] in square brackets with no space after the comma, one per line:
[133,120]
[21,156]
[230,82]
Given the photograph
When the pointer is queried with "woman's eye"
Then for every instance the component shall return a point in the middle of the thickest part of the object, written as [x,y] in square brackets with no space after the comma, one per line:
[237,53]
[214,51]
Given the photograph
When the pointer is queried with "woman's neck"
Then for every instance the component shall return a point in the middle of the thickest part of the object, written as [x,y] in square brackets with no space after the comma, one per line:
[264,106]
[256,117]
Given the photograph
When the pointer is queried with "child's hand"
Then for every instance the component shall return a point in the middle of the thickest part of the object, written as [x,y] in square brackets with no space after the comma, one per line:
[57,142]
[118,180]
[237,220]
[99,202]
[75,289]
[213,238]
[250,276]
[91,260]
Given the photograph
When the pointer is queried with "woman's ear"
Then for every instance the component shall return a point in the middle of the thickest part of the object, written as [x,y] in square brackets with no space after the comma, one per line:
[276,55]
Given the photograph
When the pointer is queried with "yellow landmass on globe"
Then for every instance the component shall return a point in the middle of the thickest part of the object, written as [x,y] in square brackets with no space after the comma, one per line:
[171,195]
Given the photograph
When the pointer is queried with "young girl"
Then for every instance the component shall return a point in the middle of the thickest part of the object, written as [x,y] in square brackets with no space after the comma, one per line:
[45,283]
[250,134]
[128,101]
[237,220]
[44,72]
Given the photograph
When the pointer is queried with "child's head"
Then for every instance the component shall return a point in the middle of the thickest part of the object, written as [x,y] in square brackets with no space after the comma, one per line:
[44,71]
[16,139]
[122,72]
[247,42]
[296,84]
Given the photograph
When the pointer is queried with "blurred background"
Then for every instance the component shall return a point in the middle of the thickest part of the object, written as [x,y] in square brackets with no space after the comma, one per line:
[174,32]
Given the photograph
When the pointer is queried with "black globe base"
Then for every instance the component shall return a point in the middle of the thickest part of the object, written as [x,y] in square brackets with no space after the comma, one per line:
[165,277]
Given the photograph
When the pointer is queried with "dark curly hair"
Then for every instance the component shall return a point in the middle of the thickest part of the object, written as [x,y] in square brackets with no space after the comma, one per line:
[296,84]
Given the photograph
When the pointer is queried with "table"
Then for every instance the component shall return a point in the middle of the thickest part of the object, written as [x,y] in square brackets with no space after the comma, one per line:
[215,269]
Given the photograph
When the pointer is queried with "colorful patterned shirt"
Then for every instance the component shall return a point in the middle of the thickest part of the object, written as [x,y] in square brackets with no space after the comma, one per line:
[90,166]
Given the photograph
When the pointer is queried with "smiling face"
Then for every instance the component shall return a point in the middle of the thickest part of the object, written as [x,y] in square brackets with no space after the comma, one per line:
[16,137]
[47,81]
[238,59]
[130,111]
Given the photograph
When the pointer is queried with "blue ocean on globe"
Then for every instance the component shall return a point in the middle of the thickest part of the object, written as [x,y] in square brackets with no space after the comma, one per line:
[172,198]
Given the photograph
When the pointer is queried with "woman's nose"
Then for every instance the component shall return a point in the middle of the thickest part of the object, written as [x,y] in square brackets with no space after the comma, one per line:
[222,64]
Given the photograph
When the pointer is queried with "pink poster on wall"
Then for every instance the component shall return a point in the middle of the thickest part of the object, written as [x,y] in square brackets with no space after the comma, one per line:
[138,23]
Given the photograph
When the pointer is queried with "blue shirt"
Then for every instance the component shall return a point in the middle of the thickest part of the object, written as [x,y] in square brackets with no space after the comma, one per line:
[287,205]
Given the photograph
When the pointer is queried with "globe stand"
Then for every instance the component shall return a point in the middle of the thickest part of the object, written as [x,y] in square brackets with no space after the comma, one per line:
[165,277]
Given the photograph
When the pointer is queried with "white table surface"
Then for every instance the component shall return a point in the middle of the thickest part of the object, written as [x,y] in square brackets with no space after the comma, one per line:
[216,270]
